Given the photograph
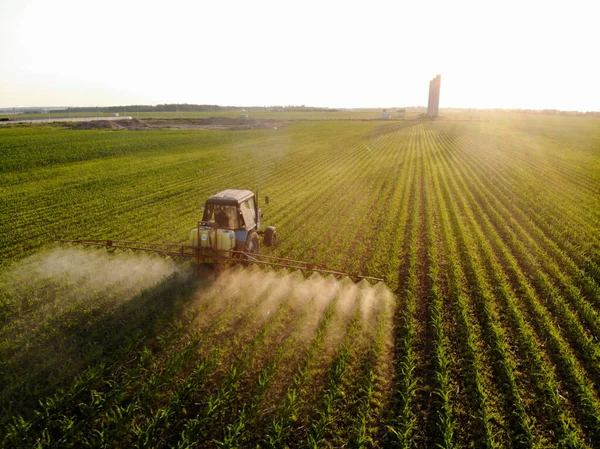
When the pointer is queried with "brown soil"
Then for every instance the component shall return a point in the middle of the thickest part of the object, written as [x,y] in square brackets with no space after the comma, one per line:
[214,123]
[133,124]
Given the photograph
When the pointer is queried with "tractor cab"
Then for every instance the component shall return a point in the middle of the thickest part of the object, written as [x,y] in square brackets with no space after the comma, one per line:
[237,211]
[233,209]
[231,221]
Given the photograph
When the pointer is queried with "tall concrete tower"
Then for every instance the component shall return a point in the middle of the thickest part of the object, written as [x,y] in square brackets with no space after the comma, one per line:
[433,106]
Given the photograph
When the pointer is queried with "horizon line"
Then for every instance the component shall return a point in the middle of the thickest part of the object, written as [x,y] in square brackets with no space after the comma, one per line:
[12,108]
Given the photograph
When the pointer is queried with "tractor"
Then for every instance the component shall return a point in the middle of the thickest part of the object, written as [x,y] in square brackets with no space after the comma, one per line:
[229,233]
[230,227]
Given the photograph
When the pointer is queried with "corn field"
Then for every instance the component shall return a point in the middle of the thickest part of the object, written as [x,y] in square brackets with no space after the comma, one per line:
[484,333]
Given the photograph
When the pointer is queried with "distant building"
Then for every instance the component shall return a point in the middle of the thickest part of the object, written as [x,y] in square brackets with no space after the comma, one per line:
[400,113]
[433,106]
[386,115]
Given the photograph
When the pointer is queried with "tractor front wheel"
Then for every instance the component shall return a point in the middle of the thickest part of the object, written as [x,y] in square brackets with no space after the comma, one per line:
[270,236]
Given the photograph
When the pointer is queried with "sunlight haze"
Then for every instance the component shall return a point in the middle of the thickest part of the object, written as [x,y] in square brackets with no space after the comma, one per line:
[338,54]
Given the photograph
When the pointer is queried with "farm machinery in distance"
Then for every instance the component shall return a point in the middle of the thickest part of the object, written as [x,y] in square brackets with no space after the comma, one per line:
[229,233]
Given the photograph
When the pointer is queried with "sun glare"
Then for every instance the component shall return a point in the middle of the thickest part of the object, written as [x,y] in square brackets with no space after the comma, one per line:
[338,54]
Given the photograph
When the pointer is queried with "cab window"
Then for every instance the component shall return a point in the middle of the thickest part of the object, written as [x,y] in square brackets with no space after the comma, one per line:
[252,208]
[225,216]
[248,213]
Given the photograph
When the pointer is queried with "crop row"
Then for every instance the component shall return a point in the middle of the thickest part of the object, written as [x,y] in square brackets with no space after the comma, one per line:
[489,245]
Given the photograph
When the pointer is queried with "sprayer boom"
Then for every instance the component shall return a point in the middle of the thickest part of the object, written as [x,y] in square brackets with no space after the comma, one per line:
[228,233]
[219,258]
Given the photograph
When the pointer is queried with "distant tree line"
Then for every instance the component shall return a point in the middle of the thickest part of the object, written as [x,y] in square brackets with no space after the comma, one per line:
[557,112]
[185,107]
[525,111]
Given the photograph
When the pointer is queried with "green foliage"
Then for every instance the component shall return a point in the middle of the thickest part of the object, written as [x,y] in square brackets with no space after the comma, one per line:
[487,233]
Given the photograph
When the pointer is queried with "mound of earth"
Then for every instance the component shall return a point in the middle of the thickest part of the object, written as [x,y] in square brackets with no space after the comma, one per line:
[215,123]
[133,124]
[96,124]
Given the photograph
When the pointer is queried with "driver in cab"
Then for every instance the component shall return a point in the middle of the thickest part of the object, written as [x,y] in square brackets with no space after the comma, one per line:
[223,219]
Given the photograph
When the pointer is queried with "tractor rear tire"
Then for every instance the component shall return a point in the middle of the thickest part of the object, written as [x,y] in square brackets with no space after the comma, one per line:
[270,236]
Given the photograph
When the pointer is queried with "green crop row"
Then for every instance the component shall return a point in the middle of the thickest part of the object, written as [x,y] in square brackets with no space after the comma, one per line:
[487,235]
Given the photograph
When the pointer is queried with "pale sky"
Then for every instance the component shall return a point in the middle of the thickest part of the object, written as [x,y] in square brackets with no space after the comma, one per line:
[505,54]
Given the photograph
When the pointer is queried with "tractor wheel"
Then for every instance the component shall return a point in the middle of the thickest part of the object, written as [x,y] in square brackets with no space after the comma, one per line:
[270,236]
